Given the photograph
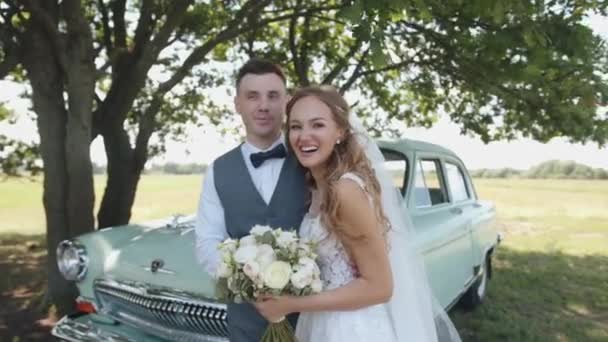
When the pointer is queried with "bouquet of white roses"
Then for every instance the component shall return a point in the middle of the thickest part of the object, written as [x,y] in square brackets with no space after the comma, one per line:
[268,261]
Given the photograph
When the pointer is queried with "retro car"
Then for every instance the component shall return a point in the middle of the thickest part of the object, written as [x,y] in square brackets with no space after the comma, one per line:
[141,282]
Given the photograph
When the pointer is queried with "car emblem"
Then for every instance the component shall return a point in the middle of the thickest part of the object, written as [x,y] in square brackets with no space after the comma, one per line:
[156,266]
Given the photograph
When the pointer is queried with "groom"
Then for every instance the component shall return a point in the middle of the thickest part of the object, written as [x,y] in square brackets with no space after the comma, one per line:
[258,182]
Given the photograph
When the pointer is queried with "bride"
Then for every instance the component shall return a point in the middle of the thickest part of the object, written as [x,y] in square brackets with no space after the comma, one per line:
[375,287]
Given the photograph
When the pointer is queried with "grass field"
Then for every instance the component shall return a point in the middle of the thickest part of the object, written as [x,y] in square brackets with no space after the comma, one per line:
[550,273]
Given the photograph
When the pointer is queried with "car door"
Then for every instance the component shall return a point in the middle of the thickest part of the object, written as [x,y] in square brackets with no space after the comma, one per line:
[443,231]
[463,203]
[481,213]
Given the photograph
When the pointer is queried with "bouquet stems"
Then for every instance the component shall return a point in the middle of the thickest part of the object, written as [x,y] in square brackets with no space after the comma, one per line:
[279,332]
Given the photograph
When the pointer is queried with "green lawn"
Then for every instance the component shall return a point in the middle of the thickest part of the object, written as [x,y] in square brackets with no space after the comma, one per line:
[158,196]
[550,273]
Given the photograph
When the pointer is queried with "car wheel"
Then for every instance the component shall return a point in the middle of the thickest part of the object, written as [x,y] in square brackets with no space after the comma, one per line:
[477,292]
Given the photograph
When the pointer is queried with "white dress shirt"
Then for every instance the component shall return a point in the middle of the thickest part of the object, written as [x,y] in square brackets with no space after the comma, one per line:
[210,223]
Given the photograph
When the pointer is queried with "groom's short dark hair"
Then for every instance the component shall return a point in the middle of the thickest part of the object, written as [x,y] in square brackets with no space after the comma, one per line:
[259,66]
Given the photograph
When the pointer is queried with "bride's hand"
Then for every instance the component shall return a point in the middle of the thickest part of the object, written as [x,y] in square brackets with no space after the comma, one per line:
[274,308]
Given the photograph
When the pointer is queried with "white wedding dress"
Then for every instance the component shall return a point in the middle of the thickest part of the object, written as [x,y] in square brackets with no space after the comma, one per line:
[367,324]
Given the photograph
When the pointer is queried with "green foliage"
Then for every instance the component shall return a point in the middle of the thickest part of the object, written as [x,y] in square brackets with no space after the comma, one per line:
[565,169]
[178,169]
[267,238]
[499,69]
[553,169]
[18,158]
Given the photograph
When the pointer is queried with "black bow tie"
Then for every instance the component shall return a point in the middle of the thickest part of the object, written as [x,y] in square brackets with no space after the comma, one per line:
[259,158]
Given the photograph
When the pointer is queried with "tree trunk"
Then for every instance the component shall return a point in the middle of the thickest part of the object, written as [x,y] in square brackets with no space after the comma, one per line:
[123,177]
[80,87]
[65,134]
[47,97]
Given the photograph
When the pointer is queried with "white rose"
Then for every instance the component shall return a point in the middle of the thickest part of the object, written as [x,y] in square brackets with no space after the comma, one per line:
[245,254]
[277,275]
[259,230]
[248,240]
[228,246]
[223,270]
[305,273]
[301,279]
[306,262]
[265,255]
[252,270]
[286,239]
[303,250]
[316,285]
[310,265]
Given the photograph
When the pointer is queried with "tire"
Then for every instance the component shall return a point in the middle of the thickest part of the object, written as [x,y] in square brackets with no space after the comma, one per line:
[477,292]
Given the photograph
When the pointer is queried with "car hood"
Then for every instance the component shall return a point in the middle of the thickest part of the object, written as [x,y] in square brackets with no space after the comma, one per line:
[161,256]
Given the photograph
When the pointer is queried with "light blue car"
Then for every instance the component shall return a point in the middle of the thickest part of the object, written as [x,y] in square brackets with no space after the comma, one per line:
[142,282]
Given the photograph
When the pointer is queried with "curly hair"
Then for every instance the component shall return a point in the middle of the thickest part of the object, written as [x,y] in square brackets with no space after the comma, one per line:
[347,156]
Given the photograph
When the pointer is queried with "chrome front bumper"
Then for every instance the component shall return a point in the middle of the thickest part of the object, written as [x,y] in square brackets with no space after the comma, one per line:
[82,328]
[75,328]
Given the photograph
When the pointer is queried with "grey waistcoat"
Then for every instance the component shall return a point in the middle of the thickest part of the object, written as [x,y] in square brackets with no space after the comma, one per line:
[244,207]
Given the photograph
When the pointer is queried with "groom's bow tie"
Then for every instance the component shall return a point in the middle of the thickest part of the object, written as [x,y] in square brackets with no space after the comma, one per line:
[277,152]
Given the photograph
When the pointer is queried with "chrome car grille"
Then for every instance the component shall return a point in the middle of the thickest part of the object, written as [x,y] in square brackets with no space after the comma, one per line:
[168,313]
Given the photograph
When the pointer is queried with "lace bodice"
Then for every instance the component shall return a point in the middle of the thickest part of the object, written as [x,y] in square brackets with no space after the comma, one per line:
[336,266]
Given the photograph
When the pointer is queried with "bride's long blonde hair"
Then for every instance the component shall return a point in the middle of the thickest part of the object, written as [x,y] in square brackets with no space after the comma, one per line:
[347,156]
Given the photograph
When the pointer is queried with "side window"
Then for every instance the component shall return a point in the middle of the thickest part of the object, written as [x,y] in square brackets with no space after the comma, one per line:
[429,188]
[396,164]
[458,184]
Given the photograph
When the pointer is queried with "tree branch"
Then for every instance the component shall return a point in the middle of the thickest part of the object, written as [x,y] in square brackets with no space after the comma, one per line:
[343,62]
[133,69]
[11,60]
[118,17]
[199,54]
[311,9]
[11,51]
[102,71]
[292,40]
[356,73]
[145,26]
[331,20]
[105,24]
[174,18]
[49,26]
[302,66]
[386,68]
[146,126]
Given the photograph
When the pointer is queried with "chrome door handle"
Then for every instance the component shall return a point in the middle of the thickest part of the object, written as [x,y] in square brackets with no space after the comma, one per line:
[457,211]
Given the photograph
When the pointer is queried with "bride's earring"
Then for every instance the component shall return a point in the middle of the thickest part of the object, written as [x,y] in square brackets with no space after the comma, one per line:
[338,142]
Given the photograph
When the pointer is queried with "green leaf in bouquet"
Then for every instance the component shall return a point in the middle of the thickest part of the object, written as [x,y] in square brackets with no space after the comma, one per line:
[306,291]
[284,255]
[268,239]
[221,289]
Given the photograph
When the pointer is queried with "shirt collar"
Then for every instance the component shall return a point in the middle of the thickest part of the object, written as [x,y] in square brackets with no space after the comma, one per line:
[250,148]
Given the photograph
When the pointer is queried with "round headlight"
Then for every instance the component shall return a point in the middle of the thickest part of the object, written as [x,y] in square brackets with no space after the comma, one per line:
[72,260]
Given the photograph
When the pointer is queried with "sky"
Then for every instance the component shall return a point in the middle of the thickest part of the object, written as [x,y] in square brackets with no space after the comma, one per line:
[204,144]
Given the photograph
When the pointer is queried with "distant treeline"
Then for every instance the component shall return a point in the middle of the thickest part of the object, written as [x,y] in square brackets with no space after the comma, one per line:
[167,168]
[550,169]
